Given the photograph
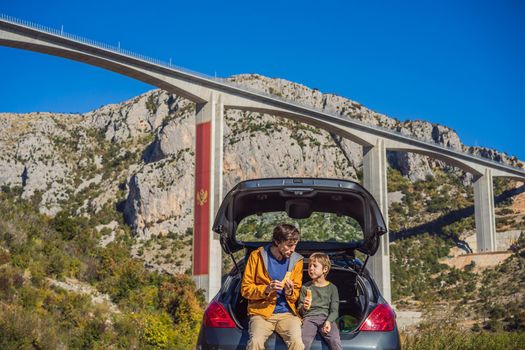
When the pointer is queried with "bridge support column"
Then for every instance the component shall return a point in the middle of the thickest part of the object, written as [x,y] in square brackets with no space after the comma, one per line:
[375,181]
[484,212]
[207,254]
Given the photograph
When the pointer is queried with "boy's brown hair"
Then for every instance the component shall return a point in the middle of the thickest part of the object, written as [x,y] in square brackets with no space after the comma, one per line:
[323,259]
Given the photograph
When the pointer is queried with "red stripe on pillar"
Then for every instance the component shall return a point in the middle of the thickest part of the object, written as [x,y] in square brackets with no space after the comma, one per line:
[201,234]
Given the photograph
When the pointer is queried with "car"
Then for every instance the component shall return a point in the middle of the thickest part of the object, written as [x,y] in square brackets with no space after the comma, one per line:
[337,217]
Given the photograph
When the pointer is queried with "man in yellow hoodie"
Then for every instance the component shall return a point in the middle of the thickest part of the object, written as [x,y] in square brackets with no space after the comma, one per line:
[271,297]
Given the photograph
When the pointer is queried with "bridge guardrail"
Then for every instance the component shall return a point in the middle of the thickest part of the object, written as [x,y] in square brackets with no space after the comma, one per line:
[224,81]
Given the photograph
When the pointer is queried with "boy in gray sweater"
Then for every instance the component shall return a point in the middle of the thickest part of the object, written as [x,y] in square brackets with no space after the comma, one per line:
[319,304]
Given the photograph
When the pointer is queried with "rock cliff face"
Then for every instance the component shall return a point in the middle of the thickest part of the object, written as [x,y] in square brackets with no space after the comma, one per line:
[138,156]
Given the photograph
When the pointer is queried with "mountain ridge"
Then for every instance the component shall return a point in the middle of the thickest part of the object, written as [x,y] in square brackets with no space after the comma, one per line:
[138,155]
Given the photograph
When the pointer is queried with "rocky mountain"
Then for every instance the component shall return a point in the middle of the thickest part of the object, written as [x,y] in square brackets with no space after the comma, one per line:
[135,159]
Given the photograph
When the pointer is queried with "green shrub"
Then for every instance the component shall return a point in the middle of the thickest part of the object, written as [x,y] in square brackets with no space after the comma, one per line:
[22,329]
[156,331]
[151,105]
[5,257]
[179,298]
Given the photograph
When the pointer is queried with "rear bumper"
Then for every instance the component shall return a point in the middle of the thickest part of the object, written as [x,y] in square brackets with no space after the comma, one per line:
[234,339]
[221,338]
[370,340]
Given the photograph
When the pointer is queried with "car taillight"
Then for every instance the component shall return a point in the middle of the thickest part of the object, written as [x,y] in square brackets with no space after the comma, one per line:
[216,316]
[381,319]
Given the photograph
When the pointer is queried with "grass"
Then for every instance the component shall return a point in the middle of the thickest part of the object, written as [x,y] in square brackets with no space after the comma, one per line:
[442,337]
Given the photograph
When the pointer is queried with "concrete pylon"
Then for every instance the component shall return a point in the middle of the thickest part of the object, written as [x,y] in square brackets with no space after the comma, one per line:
[375,181]
[484,212]
[207,254]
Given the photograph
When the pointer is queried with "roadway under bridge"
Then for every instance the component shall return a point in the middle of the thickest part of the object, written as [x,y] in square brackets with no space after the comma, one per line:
[213,96]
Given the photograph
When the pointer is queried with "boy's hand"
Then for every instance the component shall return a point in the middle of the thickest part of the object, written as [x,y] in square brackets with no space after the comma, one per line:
[307,303]
[327,327]
[274,286]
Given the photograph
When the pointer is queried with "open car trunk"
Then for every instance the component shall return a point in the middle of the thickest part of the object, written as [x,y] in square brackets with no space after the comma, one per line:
[330,205]
[353,299]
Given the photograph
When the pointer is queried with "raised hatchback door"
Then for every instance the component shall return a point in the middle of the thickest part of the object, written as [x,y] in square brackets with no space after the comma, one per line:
[300,201]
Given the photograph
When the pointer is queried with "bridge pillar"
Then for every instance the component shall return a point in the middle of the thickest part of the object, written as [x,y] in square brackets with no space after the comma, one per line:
[207,254]
[375,181]
[484,212]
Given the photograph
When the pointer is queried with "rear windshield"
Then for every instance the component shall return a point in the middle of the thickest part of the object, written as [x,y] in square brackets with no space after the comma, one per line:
[319,227]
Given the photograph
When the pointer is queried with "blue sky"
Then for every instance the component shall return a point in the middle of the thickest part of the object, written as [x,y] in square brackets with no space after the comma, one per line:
[456,63]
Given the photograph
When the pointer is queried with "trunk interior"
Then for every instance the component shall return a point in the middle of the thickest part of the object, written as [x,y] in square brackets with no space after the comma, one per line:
[352,299]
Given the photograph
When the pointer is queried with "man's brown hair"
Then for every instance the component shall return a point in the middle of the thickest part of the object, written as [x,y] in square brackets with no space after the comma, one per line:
[285,232]
[322,259]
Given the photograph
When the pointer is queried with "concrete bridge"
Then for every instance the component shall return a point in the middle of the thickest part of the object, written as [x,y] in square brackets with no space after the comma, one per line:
[213,96]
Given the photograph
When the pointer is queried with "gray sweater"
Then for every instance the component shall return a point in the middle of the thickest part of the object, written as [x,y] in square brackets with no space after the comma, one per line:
[325,301]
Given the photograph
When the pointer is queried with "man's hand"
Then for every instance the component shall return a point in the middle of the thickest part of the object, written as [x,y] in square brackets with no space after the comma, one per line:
[327,327]
[288,287]
[274,286]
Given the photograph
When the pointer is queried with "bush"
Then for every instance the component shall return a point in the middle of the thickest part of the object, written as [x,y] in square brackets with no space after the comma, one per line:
[5,257]
[21,329]
[89,335]
[156,331]
[11,279]
[179,298]
[65,225]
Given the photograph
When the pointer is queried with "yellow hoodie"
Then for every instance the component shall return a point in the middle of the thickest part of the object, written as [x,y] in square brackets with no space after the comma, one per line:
[256,279]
